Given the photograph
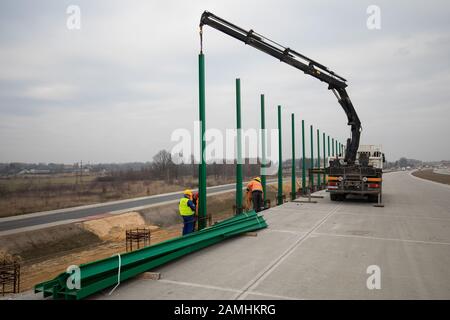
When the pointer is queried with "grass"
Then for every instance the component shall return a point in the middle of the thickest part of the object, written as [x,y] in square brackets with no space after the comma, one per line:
[21,195]
[27,194]
[430,175]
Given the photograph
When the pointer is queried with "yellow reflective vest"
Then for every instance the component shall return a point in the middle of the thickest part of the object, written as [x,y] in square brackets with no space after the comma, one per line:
[185,210]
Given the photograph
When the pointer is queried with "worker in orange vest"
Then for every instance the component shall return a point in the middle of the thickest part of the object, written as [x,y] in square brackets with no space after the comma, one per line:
[254,187]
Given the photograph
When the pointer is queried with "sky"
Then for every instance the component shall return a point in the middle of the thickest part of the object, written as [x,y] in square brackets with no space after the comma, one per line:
[117,88]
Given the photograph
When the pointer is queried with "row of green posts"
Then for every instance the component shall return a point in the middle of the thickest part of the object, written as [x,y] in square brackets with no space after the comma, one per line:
[106,273]
[336,148]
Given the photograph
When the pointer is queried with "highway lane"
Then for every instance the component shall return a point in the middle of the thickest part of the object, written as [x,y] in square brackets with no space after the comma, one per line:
[35,220]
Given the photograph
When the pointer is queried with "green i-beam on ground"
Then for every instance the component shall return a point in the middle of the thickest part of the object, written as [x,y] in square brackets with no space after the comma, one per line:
[202,165]
[280,161]
[263,150]
[303,159]
[293,184]
[239,149]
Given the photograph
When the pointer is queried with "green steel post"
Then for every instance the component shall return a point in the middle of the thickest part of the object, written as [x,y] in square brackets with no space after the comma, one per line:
[239,149]
[311,164]
[303,159]
[202,166]
[328,137]
[318,157]
[280,160]
[332,146]
[328,144]
[324,157]
[293,182]
[263,150]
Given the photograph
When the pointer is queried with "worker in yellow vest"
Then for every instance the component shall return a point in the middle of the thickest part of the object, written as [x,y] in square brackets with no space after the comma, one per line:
[187,211]
[254,187]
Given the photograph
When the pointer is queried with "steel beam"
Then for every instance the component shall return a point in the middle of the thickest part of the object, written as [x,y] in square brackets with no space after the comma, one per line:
[263,150]
[280,160]
[293,181]
[303,159]
[202,165]
[239,194]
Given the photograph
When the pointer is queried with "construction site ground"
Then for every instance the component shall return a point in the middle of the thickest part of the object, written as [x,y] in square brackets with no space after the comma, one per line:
[321,250]
[46,252]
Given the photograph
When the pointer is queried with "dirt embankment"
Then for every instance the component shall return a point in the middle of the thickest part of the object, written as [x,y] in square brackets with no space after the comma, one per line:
[47,252]
[430,175]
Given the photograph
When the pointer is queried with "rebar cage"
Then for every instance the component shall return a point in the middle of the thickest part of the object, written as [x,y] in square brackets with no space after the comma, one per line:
[139,238]
[9,277]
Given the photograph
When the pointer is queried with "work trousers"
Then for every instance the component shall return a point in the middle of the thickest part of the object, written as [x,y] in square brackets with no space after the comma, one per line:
[188,224]
[257,199]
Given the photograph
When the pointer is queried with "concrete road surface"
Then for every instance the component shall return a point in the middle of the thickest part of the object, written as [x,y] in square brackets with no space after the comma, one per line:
[323,251]
[33,221]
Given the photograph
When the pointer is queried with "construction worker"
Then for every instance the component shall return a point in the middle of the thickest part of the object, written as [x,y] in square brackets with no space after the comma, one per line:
[187,211]
[254,187]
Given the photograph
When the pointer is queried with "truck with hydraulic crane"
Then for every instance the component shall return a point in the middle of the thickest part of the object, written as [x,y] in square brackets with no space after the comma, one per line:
[358,171]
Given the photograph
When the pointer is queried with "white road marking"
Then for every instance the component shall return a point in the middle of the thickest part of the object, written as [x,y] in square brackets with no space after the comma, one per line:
[252,284]
[190,284]
[393,216]
[379,238]
[197,285]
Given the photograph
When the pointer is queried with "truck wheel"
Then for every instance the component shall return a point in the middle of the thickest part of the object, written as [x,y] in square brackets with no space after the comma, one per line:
[373,198]
[336,197]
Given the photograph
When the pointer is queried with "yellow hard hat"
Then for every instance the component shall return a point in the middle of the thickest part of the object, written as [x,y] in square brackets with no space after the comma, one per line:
[257,179]
[188,192]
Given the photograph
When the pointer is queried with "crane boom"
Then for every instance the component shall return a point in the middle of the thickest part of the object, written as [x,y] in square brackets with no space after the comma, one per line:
[335,82]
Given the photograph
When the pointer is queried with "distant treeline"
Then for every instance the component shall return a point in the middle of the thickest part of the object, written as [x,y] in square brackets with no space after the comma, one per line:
[160,168]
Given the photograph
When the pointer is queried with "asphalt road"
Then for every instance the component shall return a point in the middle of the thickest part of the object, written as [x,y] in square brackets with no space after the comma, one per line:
[326,250]
[41,219]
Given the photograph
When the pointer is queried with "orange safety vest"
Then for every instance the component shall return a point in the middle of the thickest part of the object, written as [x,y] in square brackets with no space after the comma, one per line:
[254,186]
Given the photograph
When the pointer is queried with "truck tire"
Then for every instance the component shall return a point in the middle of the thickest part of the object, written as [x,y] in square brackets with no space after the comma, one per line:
[336,197]
[373,197]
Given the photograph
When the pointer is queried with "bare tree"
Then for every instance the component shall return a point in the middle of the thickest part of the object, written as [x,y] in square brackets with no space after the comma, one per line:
[162,162]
